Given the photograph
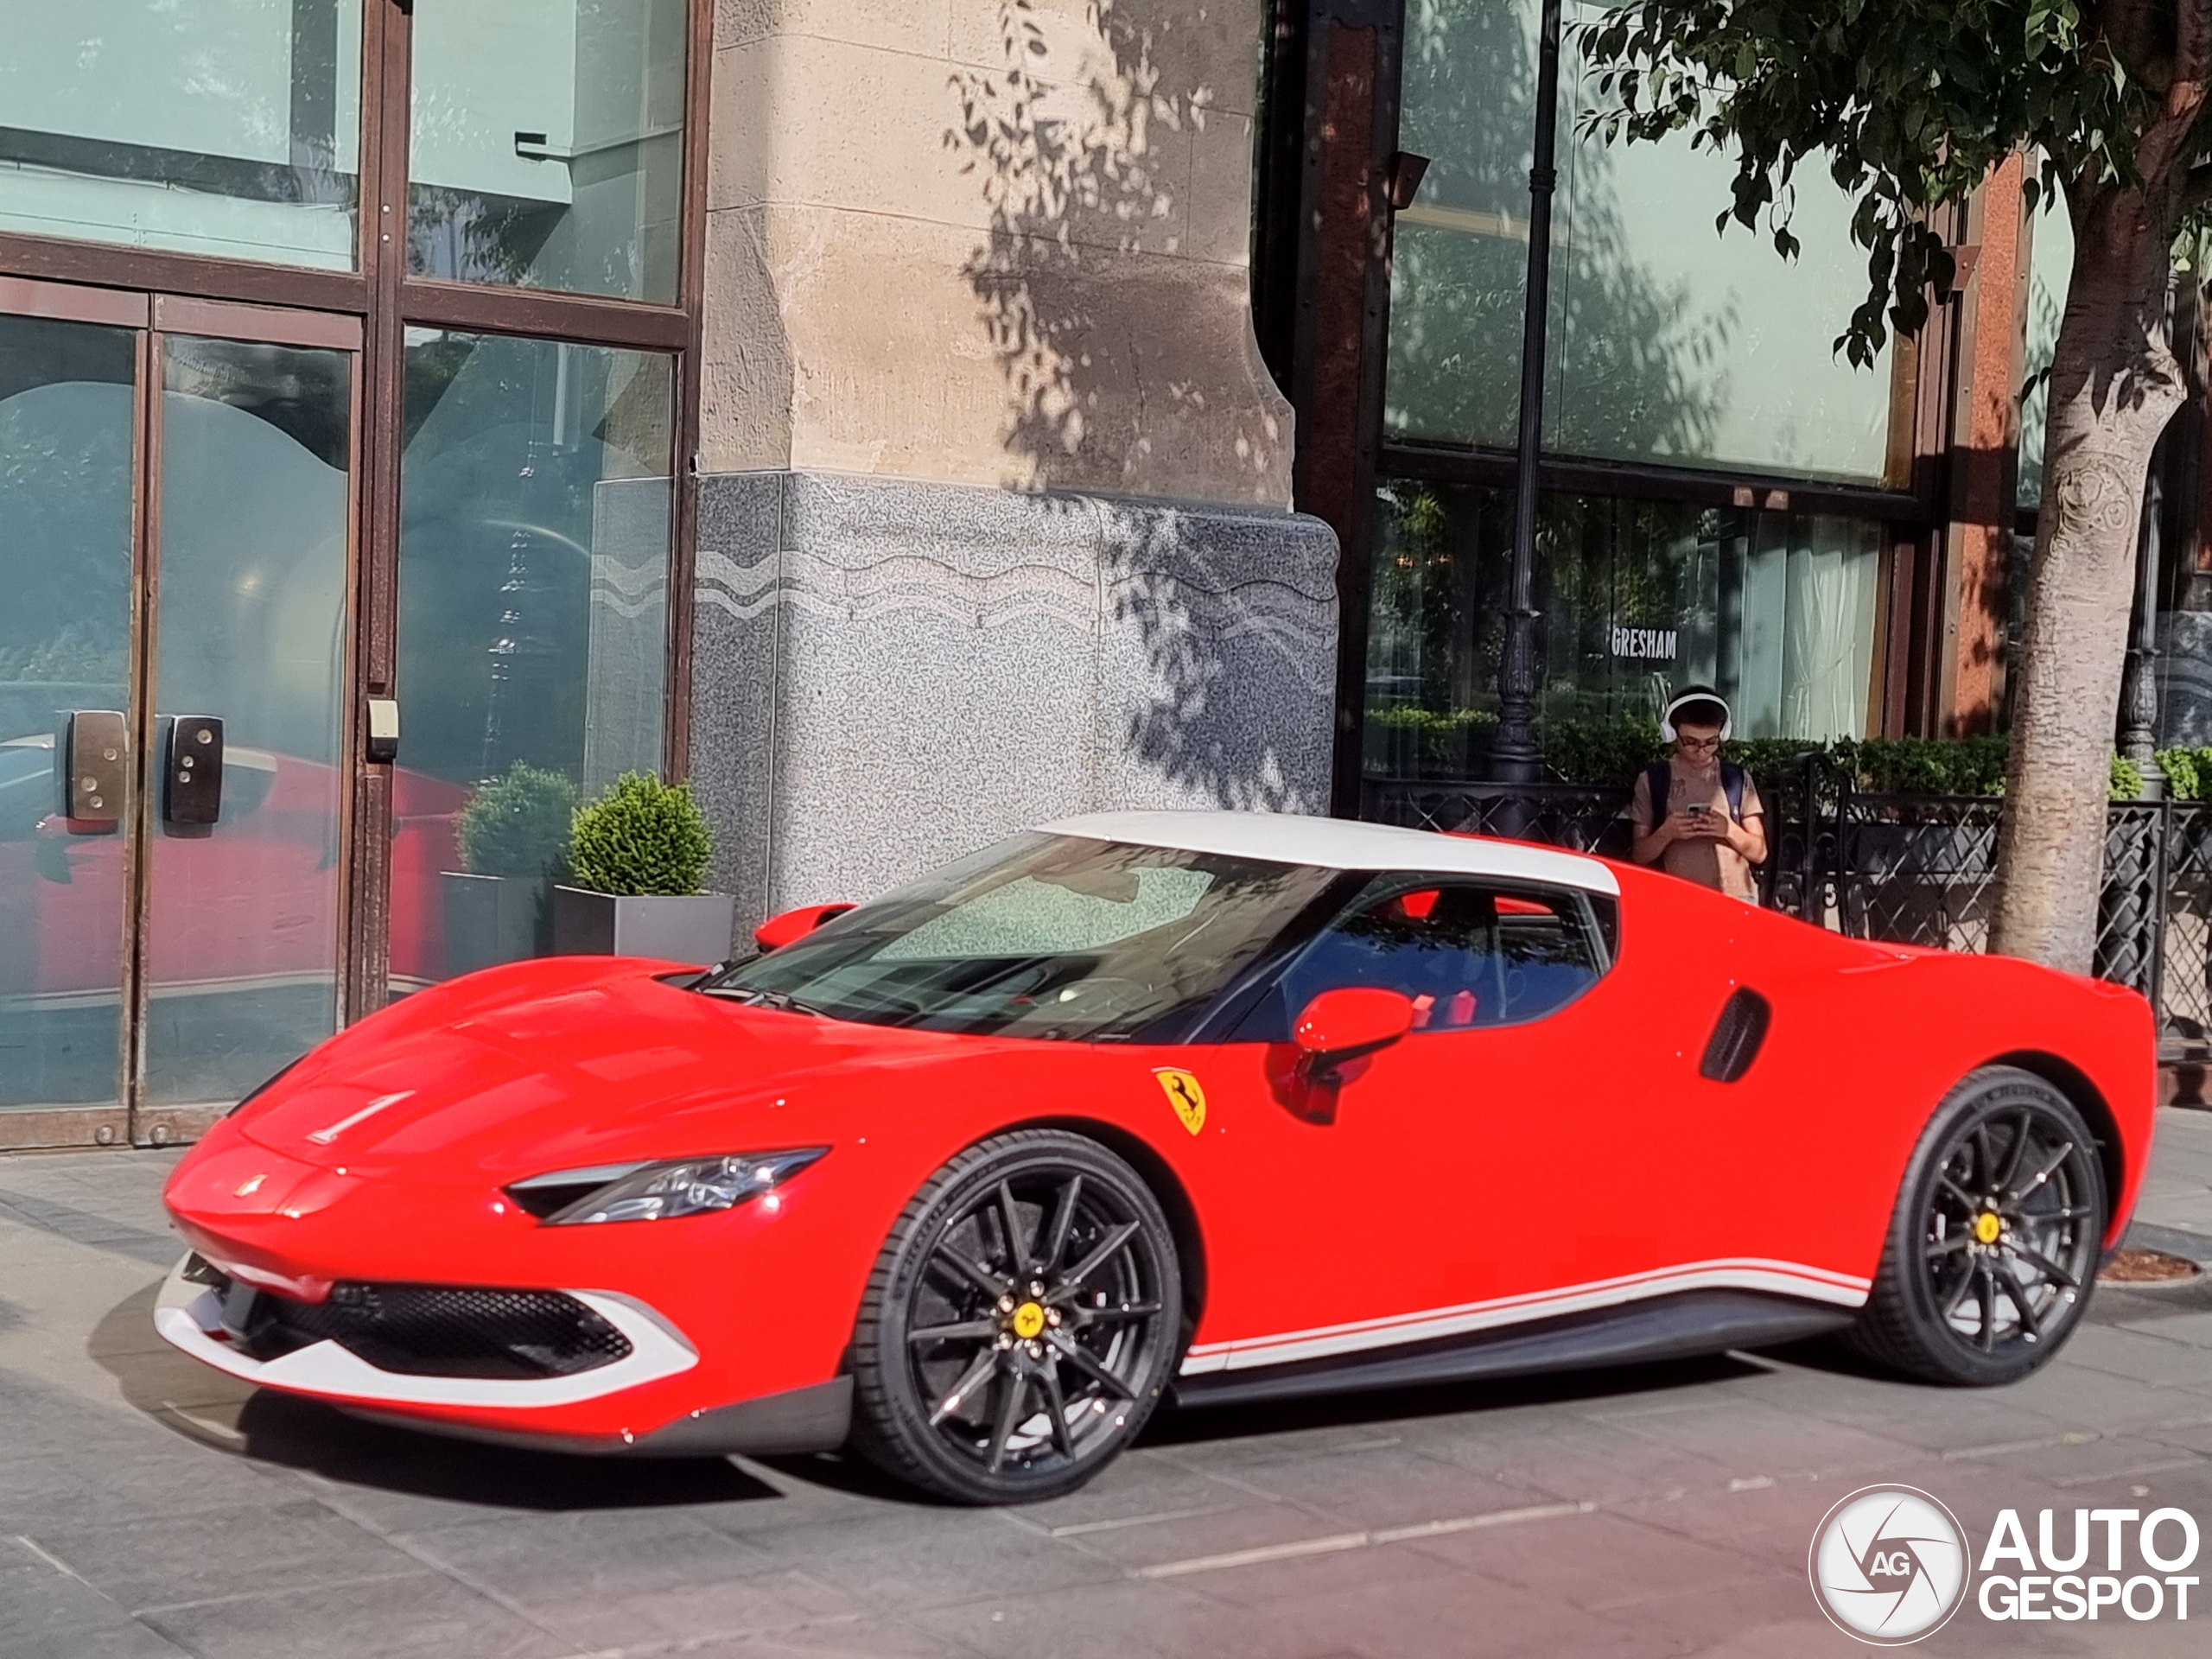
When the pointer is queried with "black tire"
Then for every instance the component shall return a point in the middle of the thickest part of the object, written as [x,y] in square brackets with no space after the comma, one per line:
[1058,1325]
[1993,1251]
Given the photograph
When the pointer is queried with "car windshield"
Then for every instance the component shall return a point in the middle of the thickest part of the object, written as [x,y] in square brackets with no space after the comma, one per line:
[1043,936]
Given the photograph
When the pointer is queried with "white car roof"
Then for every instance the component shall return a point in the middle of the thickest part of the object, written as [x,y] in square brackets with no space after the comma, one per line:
[1340,844]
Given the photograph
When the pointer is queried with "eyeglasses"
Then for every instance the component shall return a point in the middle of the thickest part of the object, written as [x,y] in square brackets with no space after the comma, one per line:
[1700,745]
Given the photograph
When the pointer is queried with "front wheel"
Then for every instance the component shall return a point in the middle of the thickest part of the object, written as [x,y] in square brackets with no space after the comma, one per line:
[1994,1248]
[1021,1323]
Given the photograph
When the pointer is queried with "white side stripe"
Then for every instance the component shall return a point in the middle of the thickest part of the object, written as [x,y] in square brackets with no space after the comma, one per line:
[1743,1273]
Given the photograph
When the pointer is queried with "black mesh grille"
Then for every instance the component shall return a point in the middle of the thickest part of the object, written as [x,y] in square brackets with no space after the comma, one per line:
[441,1331]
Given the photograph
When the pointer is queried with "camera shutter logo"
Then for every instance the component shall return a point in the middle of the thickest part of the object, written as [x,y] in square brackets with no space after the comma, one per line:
[1889,1565]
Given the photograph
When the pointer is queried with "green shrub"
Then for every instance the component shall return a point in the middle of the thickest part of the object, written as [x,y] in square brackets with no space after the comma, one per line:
[2189,773]
[1441,733]
[1601,751]
[518,825]
[642,836]
[1924,765]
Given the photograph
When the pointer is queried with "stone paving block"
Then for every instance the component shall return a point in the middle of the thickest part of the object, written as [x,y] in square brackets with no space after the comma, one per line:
[1390,1486]
[1262,1587]
[1693,1617]
[869,1638]
[1578,1459]
[1462,1615]
[2144,1358]
[1751,1439]
[922,1557]
[286,1538]
[1252,1524]
[1594,1560]
[1149,1481]
[2194,1329]
[2076,1393]
[1123,1619]
[620,1579]
[425,1617]
[46,1614]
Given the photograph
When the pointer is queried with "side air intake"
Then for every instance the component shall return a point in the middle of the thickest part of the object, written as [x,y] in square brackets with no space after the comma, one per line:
[1736,1036]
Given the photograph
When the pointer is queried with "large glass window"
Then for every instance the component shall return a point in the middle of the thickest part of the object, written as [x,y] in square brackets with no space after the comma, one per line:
[548,144]
[222,127]
[535,502]
[2051,274]
[1670,341]
[1638,599]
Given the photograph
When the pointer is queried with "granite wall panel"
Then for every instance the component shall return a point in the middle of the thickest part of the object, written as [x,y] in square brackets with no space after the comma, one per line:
[888,674]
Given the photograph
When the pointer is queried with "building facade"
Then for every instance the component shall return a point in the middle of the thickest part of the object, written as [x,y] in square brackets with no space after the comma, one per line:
[907,420]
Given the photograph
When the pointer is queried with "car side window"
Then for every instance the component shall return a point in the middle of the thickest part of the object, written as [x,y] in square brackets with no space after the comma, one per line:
[1469,954]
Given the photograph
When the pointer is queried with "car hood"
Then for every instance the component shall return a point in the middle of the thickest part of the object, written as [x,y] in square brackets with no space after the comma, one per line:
[560,1064]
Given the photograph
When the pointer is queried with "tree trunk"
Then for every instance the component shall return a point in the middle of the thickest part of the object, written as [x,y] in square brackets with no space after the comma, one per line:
[2115,383]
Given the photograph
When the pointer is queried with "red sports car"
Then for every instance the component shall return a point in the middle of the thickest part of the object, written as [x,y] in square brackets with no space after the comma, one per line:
[1219,1106]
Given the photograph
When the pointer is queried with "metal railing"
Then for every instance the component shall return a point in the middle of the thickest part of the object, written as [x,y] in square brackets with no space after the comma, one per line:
[1914,869]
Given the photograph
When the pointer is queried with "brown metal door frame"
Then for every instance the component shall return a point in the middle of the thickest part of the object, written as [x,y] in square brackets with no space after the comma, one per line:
[367,311]
[153,317]
[190,317]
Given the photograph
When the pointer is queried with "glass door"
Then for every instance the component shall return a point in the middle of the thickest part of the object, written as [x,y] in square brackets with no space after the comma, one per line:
[175,534]
[69,407]
[243,735]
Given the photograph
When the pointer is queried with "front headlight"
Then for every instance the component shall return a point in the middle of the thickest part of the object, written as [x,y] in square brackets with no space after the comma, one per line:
[657,1191]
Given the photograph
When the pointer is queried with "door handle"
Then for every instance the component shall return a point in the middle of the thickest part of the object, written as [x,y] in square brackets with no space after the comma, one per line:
[92,754]
[192,770]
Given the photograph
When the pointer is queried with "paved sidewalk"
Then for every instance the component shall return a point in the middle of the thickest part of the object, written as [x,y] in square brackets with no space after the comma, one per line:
[150,1508]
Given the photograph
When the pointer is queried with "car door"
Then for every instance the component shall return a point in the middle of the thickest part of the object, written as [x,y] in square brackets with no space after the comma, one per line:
[1449,1177]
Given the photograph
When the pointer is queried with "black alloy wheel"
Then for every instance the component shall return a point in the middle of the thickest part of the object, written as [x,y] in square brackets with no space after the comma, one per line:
[1993,1249]
[1021,1323]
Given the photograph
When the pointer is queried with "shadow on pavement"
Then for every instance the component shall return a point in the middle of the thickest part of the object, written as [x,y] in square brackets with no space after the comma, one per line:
[1181,1425]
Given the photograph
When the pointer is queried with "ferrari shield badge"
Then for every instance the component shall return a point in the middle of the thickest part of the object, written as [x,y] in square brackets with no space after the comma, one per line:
[1185,1095]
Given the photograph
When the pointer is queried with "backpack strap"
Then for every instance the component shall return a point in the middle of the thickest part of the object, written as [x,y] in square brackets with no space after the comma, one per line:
[1731,781]
[1658,783]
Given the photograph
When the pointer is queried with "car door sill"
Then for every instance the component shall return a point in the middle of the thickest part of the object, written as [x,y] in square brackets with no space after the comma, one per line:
[1667,1327]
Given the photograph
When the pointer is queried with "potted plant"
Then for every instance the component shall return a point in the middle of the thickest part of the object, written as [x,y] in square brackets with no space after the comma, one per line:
[636,857]
[513,835]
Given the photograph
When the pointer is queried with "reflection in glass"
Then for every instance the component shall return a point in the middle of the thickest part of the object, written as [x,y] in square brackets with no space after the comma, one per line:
[548,144]
[66,420]
[1669,342]
[2051,274]
[535,500]
[1638,599]
[242,918]
[230,128]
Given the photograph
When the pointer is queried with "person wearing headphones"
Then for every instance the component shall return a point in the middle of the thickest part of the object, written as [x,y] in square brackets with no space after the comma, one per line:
[1697,816]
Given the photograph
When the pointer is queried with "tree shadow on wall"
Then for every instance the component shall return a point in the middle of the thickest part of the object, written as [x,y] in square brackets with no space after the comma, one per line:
[1081,144]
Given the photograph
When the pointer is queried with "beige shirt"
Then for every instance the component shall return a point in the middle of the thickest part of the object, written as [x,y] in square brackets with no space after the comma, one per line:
[1713,863]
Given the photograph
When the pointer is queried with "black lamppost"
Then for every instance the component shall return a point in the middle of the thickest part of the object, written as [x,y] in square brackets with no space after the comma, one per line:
[1517,755]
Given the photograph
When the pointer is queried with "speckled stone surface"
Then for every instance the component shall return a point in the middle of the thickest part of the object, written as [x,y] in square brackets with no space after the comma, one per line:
[888,674]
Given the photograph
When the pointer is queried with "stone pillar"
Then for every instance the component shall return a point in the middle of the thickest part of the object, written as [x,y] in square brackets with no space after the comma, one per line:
[994,515]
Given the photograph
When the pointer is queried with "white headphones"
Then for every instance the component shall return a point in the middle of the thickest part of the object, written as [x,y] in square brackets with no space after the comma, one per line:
[1696,694]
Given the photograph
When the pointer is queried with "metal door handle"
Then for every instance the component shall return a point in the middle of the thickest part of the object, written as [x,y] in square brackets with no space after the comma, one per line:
[92,754]
[192,770]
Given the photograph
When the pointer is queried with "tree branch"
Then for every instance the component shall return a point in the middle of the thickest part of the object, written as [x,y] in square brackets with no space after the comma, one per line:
[2167,145]
[2131,28]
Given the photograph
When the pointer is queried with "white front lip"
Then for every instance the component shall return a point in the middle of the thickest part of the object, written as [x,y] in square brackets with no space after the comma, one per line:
[189,1315]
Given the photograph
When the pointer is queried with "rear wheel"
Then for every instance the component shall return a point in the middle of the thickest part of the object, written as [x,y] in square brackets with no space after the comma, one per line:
[1021,1323]
[1994,1248]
